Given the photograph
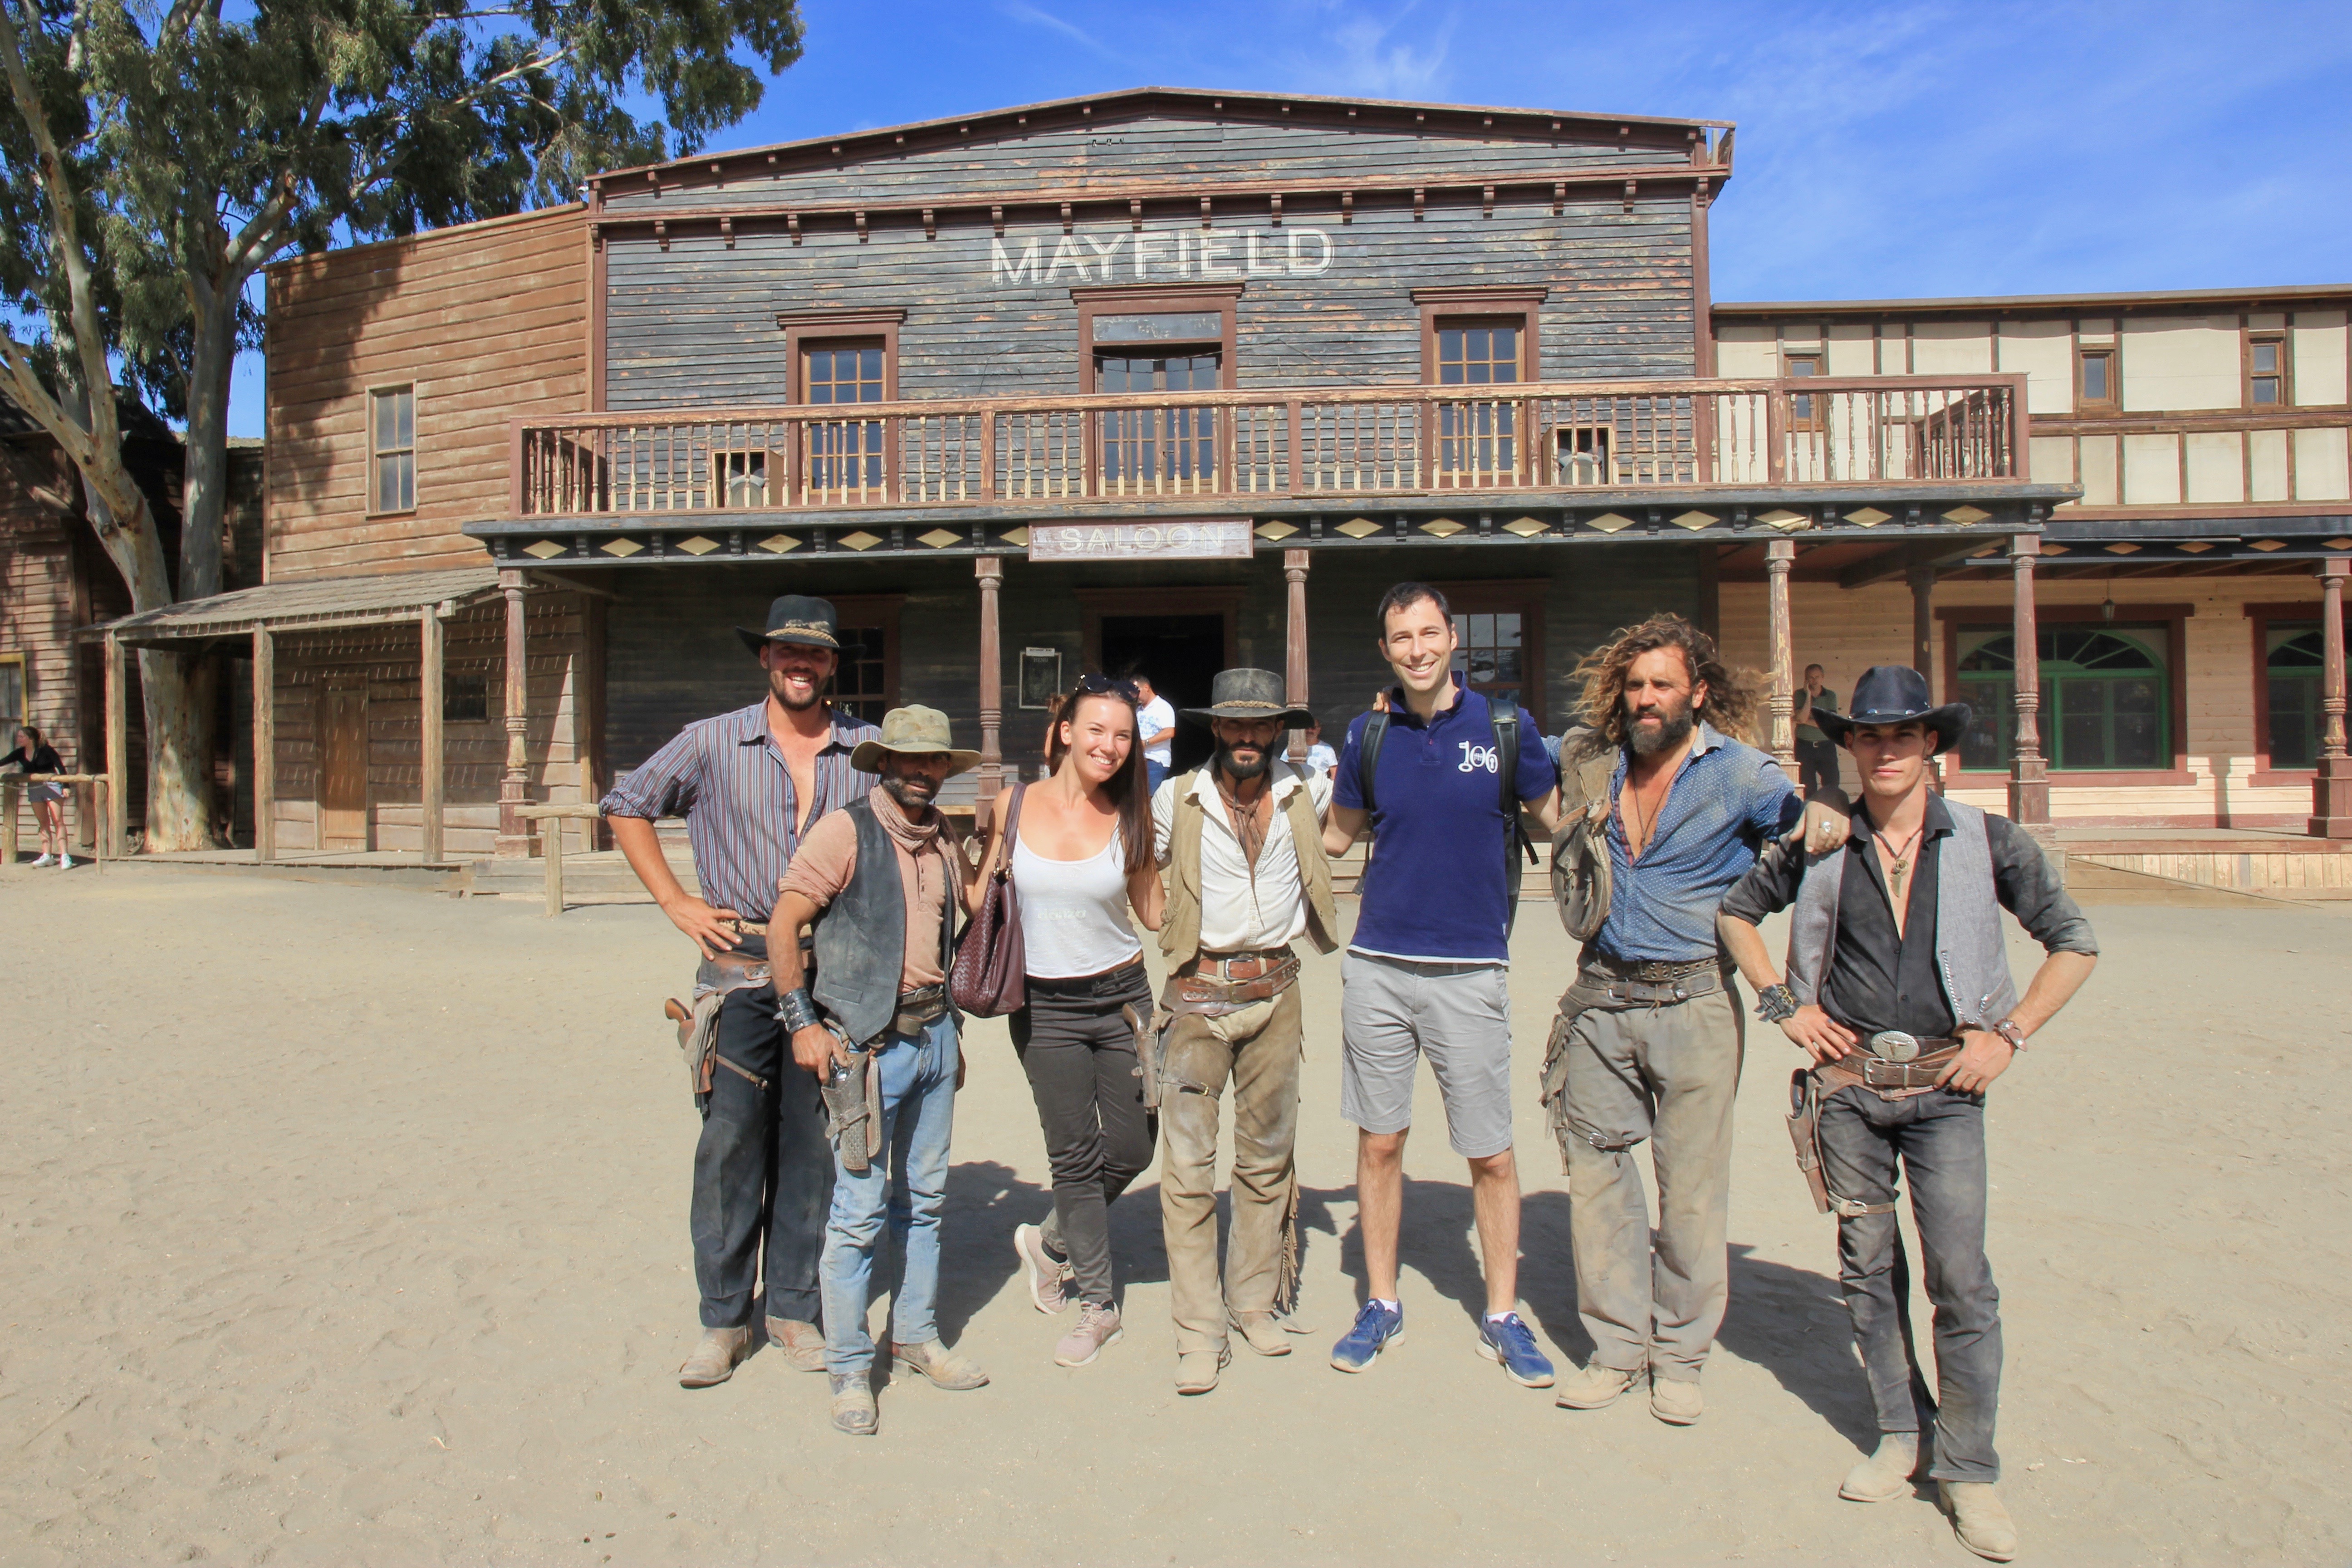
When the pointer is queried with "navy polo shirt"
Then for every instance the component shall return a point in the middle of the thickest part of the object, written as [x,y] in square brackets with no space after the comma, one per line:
[1435,890]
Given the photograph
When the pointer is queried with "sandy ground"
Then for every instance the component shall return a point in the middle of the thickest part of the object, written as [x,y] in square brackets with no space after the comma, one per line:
[348,1226]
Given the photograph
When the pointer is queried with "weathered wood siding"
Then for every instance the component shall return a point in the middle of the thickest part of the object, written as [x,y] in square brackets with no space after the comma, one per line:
[487,320]
[386,660]
[1165,147]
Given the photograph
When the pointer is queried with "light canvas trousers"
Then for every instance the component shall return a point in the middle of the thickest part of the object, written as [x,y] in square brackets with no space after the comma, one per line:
[1257,1050]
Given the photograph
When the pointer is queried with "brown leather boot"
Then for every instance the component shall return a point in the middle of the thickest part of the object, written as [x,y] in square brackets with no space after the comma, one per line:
[943,1366]
[801,1344]
[714,1361]
[1978,1520]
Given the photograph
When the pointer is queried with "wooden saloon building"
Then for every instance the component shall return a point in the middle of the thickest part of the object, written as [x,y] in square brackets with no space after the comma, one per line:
[1175,380]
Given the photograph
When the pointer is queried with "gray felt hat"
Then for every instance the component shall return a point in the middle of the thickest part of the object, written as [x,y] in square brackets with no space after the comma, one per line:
[1250,694]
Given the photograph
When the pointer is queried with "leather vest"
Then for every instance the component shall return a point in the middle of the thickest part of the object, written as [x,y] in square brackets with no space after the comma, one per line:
[1180,926]
[861,936]
[1970,959]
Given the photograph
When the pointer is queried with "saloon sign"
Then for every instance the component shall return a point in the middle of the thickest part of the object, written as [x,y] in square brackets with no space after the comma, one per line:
[1190,540]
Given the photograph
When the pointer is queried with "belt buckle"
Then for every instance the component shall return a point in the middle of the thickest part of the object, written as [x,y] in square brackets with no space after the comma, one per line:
[1894,1045]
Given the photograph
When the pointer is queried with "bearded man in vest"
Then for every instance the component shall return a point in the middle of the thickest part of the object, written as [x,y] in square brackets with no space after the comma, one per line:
[1240,840]
[1899,990]
[881,880]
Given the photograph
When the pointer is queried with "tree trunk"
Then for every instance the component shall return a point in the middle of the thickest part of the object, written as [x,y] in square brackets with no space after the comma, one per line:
[178,693]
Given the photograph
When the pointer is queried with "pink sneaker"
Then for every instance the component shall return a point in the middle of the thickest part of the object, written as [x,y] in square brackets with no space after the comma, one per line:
[1045,1272]
[1096,1327]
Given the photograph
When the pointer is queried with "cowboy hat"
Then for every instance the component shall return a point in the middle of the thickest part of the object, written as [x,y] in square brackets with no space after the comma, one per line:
[913,731]
[1250,694]
[1896,694]
[795,618]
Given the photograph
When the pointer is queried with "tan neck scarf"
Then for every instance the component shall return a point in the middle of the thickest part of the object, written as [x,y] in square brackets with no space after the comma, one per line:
[1251,819]
[909,835]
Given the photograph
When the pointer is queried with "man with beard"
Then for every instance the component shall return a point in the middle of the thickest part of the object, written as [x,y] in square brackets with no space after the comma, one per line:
[750,785]
[881,880]
[1239,841]
[1648,1040]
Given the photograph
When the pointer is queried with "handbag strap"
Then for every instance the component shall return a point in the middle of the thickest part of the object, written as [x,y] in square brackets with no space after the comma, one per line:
[1011,832]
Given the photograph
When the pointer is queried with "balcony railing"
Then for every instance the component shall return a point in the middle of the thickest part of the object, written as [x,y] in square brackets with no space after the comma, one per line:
[1276,444]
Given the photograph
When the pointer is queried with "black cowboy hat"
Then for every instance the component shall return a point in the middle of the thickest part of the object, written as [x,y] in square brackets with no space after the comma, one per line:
[1250,694]
[1896,694]
[795,618]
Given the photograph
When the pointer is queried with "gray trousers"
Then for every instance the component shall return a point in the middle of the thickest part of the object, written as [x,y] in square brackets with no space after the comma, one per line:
[1669,1073]
[1939,1138]
[1259,1049]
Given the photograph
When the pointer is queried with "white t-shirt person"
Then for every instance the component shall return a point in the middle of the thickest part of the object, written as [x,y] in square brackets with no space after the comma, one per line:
[1158,717]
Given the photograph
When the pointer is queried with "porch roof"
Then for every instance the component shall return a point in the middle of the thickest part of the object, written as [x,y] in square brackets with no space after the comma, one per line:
[320,602]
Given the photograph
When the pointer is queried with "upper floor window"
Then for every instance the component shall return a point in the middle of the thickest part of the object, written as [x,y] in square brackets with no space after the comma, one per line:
[2095,378]
[391,449]
[1479,352]
[1802,414]
[1137,339]
[846,457]
[2265,372]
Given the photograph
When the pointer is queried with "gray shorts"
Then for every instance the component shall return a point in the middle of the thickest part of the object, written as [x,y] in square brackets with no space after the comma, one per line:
[1392,1010]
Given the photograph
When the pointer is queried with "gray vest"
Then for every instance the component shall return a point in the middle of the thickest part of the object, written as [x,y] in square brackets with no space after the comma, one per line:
[861,936]
[1970,957]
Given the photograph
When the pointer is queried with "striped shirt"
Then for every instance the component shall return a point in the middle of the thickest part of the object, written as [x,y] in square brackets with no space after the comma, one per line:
[728,779]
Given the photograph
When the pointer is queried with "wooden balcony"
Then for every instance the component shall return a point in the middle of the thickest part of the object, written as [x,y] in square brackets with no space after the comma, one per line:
[1260,448]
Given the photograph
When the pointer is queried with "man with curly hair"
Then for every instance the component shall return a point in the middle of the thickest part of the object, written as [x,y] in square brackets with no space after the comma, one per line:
[1648,1040]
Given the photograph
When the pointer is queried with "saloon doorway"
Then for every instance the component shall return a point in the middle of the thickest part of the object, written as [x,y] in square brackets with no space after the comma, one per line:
[1179,637]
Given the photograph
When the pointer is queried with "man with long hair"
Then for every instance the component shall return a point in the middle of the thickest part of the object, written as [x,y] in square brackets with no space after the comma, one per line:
[1647,1044]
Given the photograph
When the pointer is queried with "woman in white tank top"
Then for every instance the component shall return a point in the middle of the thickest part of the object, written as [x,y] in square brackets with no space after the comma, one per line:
[1081,860]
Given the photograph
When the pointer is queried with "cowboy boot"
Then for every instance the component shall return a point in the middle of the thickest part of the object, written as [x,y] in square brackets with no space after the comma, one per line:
[714,1361]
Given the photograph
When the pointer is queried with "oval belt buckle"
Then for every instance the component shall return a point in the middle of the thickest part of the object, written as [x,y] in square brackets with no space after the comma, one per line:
[1895,1045]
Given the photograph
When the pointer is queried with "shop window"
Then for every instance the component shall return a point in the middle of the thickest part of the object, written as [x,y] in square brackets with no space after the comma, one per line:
[866,677]
[12,698]
[1498,638]
[465,698]
[2292,665]
[2265,372]
[2107,700]
[391,449]
[2094,379]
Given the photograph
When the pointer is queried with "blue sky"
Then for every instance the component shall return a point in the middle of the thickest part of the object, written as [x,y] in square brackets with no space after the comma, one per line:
[1883,151]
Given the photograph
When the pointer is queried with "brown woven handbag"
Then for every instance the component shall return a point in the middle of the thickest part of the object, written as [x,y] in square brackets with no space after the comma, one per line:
[990,974]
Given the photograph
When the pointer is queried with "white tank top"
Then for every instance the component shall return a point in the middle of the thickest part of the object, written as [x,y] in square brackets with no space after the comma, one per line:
[1073,912]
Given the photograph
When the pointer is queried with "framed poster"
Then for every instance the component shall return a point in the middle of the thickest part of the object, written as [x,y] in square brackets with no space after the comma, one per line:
[1041,676]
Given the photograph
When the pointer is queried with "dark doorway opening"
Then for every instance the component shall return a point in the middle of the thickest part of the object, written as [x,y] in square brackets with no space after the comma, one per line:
[1182,654]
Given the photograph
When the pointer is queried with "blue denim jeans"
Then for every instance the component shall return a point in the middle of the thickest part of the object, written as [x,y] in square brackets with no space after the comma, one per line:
[1939,1136]
[908,1189]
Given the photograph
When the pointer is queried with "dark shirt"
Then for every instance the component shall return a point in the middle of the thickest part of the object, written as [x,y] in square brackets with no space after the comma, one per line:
[727,778]
[44,760]
[1878,980]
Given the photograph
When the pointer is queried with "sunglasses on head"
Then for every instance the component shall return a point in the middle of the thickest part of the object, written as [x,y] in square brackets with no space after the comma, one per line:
[1097,685]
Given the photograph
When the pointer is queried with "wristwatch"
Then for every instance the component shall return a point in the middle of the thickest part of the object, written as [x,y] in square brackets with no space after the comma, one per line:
[1776,1004]
[2008,1030]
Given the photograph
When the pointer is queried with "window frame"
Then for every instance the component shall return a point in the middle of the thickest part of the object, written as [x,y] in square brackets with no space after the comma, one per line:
[23,664]
[1810,419]
[872,612]
[1222,299]
[2113,402]
[375,455]
[1958,620]
[1524,303]
[1525,596]
[805,329]
[2262,619]
[2279,338]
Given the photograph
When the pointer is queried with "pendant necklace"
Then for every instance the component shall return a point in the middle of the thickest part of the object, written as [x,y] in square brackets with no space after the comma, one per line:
[1898,864]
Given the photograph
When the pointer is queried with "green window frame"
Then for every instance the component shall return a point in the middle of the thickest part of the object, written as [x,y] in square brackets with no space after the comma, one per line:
[2106,697]
[2292,663]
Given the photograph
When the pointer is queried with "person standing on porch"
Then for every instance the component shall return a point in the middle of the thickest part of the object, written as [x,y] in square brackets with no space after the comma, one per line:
[1156,721]
[35,756]
[1080,844]
[881,881]
[750,785]
[1817,763]
[1648,1039]
[1899,990]
[1428,971]
[1240,840]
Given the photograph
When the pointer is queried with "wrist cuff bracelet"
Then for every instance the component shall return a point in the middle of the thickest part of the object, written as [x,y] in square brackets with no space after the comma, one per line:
[797,1011]
[1776,1004]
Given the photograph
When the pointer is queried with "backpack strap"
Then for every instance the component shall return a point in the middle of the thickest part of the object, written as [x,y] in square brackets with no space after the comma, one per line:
[1368,754]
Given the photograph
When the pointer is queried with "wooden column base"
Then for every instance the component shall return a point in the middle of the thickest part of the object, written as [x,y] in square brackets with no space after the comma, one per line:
[2331,799]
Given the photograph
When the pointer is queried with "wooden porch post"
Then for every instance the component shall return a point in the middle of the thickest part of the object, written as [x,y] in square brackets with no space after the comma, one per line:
[1780,554]
[432,640]
[514,785]
[118,747]
[990,571]
[1294,648]
[2331,787]
[1923,621]
[2028,774]
[265,743]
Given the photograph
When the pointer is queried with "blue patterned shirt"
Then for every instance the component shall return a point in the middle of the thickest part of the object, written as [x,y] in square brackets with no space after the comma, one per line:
[728,779]
[1727,802]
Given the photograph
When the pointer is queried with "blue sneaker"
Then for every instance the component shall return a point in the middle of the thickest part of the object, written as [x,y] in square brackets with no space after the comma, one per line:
[1512,1343]
[1377,1327]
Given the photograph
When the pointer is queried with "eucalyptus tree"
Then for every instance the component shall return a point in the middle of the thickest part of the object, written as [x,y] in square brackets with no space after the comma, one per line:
[158,156]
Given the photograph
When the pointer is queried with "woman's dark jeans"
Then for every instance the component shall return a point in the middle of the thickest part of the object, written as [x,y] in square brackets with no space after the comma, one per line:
[1080,1053]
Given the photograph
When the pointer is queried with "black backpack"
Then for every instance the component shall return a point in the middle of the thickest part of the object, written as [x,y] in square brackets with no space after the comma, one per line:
[1504,717]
